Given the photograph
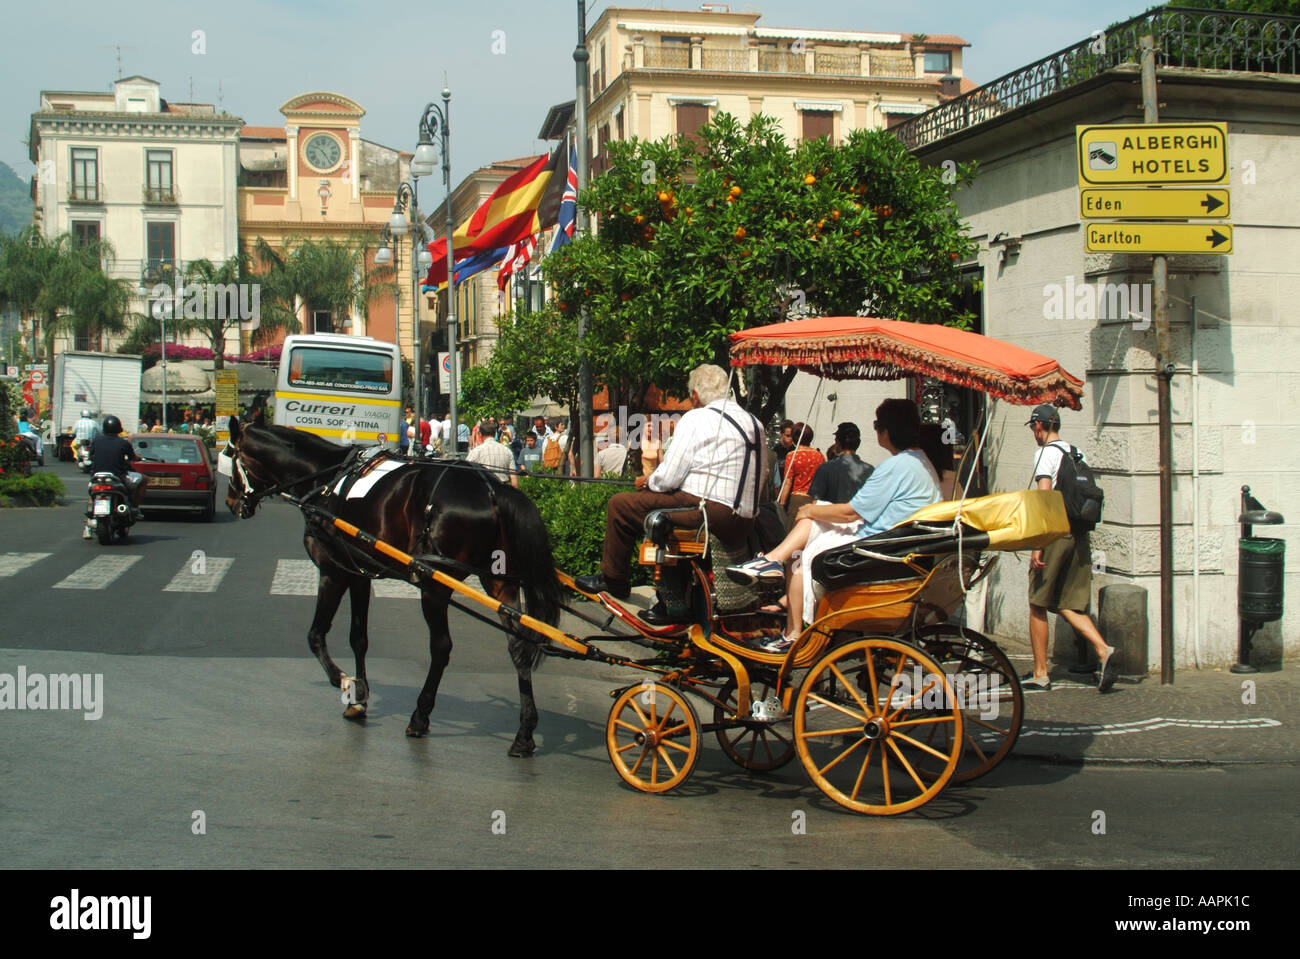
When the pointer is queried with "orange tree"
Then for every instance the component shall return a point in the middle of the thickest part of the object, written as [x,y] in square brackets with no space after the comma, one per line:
[697,239]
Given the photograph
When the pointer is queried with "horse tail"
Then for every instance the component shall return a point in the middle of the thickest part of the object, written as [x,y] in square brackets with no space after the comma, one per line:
[532,557]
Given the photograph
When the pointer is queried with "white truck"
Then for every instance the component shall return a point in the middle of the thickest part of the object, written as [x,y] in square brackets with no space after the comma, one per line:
[100,382]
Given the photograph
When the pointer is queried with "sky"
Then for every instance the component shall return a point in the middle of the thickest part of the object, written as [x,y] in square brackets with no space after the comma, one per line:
[391,58]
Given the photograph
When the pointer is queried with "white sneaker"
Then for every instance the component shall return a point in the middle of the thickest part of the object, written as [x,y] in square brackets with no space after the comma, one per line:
[86,533]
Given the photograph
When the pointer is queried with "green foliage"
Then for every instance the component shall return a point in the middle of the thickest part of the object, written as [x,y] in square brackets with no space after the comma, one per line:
[236,270]
[41,489]
[485,392]
[699,240]
[575,518]
[11,398]
[326,274]
[14,453]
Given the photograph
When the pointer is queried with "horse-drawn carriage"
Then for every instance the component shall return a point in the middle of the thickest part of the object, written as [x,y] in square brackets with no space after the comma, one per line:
[882,698]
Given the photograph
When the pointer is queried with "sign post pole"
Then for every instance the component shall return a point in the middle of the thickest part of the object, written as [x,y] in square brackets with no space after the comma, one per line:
[1164,374]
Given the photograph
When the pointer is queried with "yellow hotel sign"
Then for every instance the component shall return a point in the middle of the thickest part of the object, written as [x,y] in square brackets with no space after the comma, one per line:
[1157,237]
[1153,203]
[1143,154]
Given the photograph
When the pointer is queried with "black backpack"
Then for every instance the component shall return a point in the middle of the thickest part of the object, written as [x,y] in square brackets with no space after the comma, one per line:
[1078,485]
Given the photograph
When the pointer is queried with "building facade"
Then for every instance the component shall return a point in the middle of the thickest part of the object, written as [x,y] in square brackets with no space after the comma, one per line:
[155,179]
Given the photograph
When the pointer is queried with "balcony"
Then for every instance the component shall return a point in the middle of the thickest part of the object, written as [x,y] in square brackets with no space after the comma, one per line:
[779,61]
[838,60]
[158,271]
[673,57]
[161,194]
[886,64]
[86,192]
[725,61]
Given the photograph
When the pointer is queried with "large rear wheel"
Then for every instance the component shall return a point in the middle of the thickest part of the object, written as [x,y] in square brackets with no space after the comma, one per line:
[104,530]
[653,737]
[986,686]
[863,724]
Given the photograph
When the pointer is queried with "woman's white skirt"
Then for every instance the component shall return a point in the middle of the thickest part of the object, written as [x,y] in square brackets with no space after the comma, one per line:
[823,536]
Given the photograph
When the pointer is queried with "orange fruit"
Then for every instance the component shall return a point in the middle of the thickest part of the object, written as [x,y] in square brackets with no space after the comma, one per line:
[835,214]
[735,191]
[638,219]
[665,196]
[739,234]
[809,179]
[744,254]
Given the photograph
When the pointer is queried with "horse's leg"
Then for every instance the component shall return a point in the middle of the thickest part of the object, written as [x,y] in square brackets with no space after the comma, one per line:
[329,593]
[522,654]
[433,603]
[359,600]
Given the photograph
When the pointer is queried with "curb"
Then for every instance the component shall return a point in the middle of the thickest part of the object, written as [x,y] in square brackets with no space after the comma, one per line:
[1058,759]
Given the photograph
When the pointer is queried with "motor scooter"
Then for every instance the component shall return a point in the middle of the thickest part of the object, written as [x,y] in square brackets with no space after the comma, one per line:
[110,508]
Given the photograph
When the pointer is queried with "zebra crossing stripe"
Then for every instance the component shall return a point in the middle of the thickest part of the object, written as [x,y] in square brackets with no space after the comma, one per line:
[11,563]
[294,577]
[200,576]
[99,573]
[396,589]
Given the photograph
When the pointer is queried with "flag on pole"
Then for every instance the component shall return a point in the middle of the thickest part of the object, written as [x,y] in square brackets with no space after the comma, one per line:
[527,201]
[568,214]
[516,259]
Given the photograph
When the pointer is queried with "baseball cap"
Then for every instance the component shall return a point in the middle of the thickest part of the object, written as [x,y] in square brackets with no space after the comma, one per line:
[1045,414]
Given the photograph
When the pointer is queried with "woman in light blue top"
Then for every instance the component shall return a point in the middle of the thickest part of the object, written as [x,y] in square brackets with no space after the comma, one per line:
[896,489]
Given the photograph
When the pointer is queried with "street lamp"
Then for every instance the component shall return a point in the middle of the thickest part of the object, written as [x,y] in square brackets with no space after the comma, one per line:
[159,310]
[434,123]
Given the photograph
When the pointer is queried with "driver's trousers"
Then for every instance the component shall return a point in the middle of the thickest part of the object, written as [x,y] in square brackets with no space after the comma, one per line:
[627,511]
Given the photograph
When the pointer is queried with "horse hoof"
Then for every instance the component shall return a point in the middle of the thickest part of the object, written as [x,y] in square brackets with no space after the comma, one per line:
[355,711]
[417,727]
[522,750]
[414,733]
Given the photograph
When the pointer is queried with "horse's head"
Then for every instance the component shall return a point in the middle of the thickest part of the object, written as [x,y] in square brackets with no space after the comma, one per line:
[241,461]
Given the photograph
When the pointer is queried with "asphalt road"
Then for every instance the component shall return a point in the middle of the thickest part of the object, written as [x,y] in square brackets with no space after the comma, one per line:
[212,704]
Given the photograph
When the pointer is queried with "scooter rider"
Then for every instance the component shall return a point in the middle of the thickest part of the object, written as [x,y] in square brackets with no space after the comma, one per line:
[110,453]
[84,430]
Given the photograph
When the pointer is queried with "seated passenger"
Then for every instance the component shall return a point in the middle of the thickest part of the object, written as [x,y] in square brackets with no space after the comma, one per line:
[896,489]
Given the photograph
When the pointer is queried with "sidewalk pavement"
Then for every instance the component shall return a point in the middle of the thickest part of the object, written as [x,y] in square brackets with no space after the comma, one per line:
[1205,717]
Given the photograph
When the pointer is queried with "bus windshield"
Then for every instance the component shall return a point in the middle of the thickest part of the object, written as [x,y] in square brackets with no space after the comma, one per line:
[364,370]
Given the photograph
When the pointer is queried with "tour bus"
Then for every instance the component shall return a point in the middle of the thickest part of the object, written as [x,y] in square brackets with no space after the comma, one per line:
[347,389]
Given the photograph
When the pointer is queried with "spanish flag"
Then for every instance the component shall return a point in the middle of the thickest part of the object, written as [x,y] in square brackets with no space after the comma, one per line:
[525,203]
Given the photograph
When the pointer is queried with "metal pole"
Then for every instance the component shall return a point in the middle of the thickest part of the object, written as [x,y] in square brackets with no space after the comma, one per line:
[163,320]
[453,360]
[580,57]
[417,381]
[1164,373]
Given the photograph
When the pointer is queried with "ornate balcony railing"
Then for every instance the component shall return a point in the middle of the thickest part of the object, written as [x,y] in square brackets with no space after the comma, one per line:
[727,61]
[672,57]
[892,65]
[843,64]
[778,61]
[1183,38]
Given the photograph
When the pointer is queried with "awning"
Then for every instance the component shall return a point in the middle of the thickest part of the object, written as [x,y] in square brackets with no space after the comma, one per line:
[860,347]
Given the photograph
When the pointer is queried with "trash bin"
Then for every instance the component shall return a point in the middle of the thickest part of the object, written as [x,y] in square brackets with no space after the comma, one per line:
[1261,560]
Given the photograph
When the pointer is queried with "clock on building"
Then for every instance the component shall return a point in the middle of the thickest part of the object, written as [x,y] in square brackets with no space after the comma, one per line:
[323,152]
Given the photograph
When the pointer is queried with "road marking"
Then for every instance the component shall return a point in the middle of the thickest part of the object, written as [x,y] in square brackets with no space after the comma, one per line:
[396,589]
[294,577]
[1142,726]
[188,581]
[11,563]
[99,573]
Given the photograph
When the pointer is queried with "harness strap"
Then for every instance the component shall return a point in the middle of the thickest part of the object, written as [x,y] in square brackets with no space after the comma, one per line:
[751,451]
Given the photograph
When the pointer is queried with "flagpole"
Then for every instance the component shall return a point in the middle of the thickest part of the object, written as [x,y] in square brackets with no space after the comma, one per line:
[580,58]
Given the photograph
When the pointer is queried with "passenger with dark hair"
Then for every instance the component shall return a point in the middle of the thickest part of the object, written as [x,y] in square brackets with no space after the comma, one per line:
[939,452]
[843,475]
[897,488]
[800,465]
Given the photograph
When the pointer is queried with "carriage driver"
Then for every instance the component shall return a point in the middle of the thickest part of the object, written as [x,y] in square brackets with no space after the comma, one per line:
[717,458]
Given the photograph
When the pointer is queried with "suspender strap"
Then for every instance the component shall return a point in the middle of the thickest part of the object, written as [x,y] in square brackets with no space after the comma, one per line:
[751,451]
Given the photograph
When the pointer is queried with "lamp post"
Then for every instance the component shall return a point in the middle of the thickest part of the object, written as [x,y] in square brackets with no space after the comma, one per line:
[434,123]
[160,308]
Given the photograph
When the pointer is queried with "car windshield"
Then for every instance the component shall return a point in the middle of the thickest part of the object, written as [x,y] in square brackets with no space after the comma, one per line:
[167,450]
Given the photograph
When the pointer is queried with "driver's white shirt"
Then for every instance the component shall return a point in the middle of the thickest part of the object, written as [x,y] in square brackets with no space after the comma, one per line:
[707,456]
[85,429]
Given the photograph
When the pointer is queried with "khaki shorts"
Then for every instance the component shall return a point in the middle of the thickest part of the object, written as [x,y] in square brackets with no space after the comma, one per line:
[1065,581]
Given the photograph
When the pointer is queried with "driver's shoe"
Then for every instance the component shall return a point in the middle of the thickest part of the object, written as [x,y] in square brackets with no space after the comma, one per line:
[597,583]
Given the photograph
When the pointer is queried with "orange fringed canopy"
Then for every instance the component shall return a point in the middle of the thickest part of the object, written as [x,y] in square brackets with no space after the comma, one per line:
[863,347]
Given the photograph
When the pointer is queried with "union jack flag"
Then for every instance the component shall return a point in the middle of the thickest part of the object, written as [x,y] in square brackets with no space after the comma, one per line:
[516,258]
[568,206]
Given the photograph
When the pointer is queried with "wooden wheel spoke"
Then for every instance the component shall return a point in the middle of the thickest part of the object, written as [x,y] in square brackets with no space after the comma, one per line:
[873,683]
[923,720]
[833,732]
[679,746]
[847,685]
[919,745]
[667,759]
[672,704]
[834,762]
[915,696]
[838,707]
[906,765]
[674,731]
[866,761]
[623,749]
[976,746]
[987,725]
[772,731]
[628,726]
[645,750]
[645,722]
[884,775]
[654,767]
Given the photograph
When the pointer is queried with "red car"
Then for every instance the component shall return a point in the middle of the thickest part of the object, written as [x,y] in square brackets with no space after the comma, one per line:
[178,475]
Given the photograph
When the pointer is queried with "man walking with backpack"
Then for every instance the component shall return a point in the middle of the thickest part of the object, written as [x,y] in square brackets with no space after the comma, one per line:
[1060,574]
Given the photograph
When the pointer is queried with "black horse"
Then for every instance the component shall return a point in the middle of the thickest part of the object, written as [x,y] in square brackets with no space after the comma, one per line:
[441,511]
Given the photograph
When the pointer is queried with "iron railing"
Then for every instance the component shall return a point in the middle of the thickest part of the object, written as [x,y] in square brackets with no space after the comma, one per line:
[727,61]
[1183,37]
[842,64]
[671,57]
[885,64]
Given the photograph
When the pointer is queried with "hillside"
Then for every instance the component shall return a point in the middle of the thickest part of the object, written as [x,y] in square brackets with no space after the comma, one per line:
[15,202]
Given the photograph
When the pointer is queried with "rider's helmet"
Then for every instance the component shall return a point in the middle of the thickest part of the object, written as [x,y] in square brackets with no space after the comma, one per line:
[112,425]
[85,414]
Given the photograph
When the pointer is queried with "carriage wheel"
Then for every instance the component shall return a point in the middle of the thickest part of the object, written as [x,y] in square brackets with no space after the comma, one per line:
[989,683]
[861,724]
[653,737]
[760,750]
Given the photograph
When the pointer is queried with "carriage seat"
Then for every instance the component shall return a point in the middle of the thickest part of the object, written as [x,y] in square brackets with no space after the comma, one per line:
[879,558]
[663,533]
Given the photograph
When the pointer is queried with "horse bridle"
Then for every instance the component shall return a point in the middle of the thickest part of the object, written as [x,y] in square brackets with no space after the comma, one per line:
[249,498]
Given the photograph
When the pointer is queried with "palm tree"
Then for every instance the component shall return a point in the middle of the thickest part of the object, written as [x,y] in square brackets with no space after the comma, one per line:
[234,273]
[93,302]
[323,274]
[28,261]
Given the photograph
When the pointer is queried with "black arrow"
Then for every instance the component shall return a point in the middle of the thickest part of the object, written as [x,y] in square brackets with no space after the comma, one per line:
[1216,238]
[1211,203]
